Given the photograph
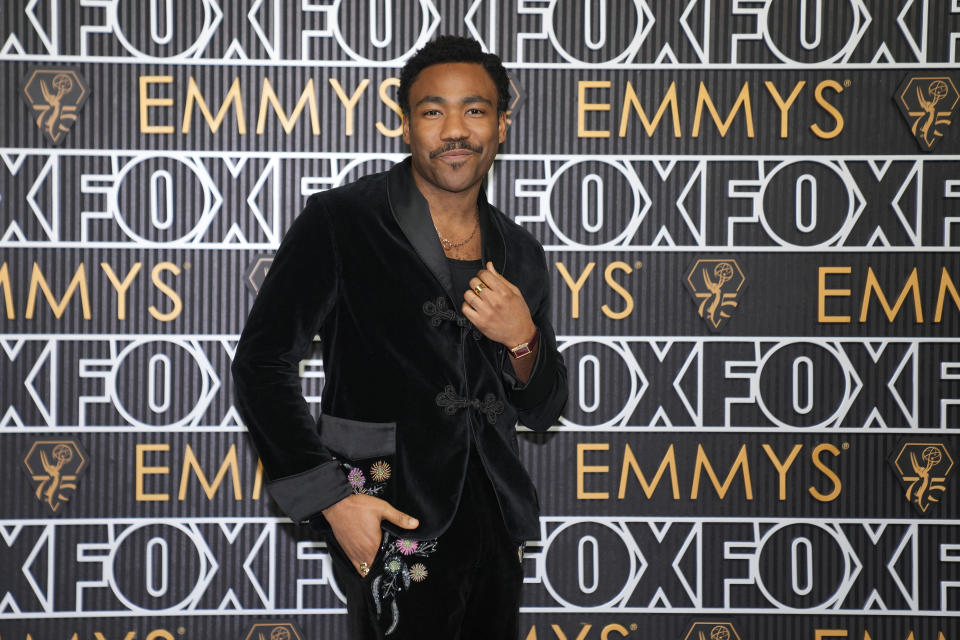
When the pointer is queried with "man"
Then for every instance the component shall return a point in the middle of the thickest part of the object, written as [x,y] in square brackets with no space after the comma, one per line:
[433,312]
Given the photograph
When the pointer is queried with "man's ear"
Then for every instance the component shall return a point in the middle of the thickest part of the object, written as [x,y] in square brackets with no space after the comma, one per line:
[405,123]
[502,126]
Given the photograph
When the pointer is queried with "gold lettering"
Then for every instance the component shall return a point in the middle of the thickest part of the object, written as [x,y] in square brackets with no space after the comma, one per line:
[583,106]
[269,98]
[131,635]
[820,634]
[350,103]
[166,290]
[79,281]
[257,481]
[7,291]
[143,470]
[630,463]
[583,469]
[558,631]
[160,634]
[827,471]
[823,293]
[829,108]
[121,287]
[784,105]
[229,463]
[743,100]
[946,284]
[873,286]
[75,636]
[782,467]
[393,106]
[147,102]
[703,464]
[575,286]
[619,628]
[630,100]
[234,97]
[616,286]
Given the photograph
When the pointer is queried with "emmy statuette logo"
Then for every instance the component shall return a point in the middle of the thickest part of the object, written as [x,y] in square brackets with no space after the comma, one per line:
[273,631]
[56,96]
[712,631]
[716,286]
[54,466]
[927,103]
[923,468]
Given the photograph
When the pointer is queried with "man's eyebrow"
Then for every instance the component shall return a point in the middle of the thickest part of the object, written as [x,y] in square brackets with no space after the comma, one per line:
[465,100]
[472,99]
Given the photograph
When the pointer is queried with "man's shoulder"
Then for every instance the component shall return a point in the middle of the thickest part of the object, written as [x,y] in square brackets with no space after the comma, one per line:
[361,193]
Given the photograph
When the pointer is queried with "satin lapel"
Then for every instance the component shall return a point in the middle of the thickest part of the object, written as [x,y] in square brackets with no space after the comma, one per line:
[413,215]
[494,249]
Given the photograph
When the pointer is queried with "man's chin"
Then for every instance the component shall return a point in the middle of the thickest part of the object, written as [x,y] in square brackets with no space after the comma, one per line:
[457,186]
[457,176]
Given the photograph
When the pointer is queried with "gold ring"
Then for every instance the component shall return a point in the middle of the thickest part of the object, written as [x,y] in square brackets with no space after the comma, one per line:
[477,289]
[364,569]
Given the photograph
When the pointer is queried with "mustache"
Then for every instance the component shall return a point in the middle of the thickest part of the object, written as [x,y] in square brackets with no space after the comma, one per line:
[456,144]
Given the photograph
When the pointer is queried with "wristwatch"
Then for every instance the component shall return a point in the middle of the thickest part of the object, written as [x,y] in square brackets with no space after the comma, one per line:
[526,348]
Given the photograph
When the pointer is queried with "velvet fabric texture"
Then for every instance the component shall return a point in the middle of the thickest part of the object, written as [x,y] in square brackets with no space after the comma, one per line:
[465,587]
[407,377]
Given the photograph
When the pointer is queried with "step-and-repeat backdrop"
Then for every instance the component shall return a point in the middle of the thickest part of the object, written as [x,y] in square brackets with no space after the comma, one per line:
[750,208]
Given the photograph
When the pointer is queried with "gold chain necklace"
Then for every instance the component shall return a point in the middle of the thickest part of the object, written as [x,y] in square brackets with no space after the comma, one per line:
[450,244]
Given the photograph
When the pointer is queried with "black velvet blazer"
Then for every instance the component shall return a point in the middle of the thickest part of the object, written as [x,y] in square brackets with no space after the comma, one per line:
[410,386]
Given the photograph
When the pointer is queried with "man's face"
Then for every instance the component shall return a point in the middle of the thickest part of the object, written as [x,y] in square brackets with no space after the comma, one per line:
[453,128]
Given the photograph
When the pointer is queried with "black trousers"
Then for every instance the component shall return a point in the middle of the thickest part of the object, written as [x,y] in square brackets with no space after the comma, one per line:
[465,585]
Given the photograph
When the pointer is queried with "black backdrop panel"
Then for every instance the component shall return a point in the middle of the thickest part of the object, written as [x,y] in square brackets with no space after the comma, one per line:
[750,212]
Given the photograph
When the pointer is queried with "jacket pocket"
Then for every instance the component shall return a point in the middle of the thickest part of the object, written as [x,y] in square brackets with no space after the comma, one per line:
[364,450]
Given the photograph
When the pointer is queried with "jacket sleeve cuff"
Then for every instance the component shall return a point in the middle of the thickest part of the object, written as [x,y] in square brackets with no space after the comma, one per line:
[306,494]
[538,387]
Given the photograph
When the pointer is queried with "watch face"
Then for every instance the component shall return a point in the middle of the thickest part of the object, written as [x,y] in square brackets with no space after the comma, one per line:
[521,350]
[526,347]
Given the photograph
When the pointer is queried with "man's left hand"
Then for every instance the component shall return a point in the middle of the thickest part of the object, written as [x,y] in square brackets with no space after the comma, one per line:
[497,308]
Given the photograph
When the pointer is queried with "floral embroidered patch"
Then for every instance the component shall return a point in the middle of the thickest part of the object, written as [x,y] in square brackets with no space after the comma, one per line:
[397,575]
[379,473]
[356,479]
[407,546]
[418,572]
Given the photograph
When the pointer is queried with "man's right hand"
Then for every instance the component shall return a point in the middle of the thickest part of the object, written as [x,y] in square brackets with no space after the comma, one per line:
[355,521]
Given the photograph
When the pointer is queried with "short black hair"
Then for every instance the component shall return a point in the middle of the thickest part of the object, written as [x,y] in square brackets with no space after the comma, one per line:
[447,49]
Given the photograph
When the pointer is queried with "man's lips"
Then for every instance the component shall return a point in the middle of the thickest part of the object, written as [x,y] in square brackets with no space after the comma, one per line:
[458,153]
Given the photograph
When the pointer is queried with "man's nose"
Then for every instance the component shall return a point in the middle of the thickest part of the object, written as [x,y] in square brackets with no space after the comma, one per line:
[454,127]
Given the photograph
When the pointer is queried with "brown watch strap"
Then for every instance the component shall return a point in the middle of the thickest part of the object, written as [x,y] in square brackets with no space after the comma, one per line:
[526,348]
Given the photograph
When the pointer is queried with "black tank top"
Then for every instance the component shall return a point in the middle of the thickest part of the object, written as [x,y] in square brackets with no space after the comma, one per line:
[462,271]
